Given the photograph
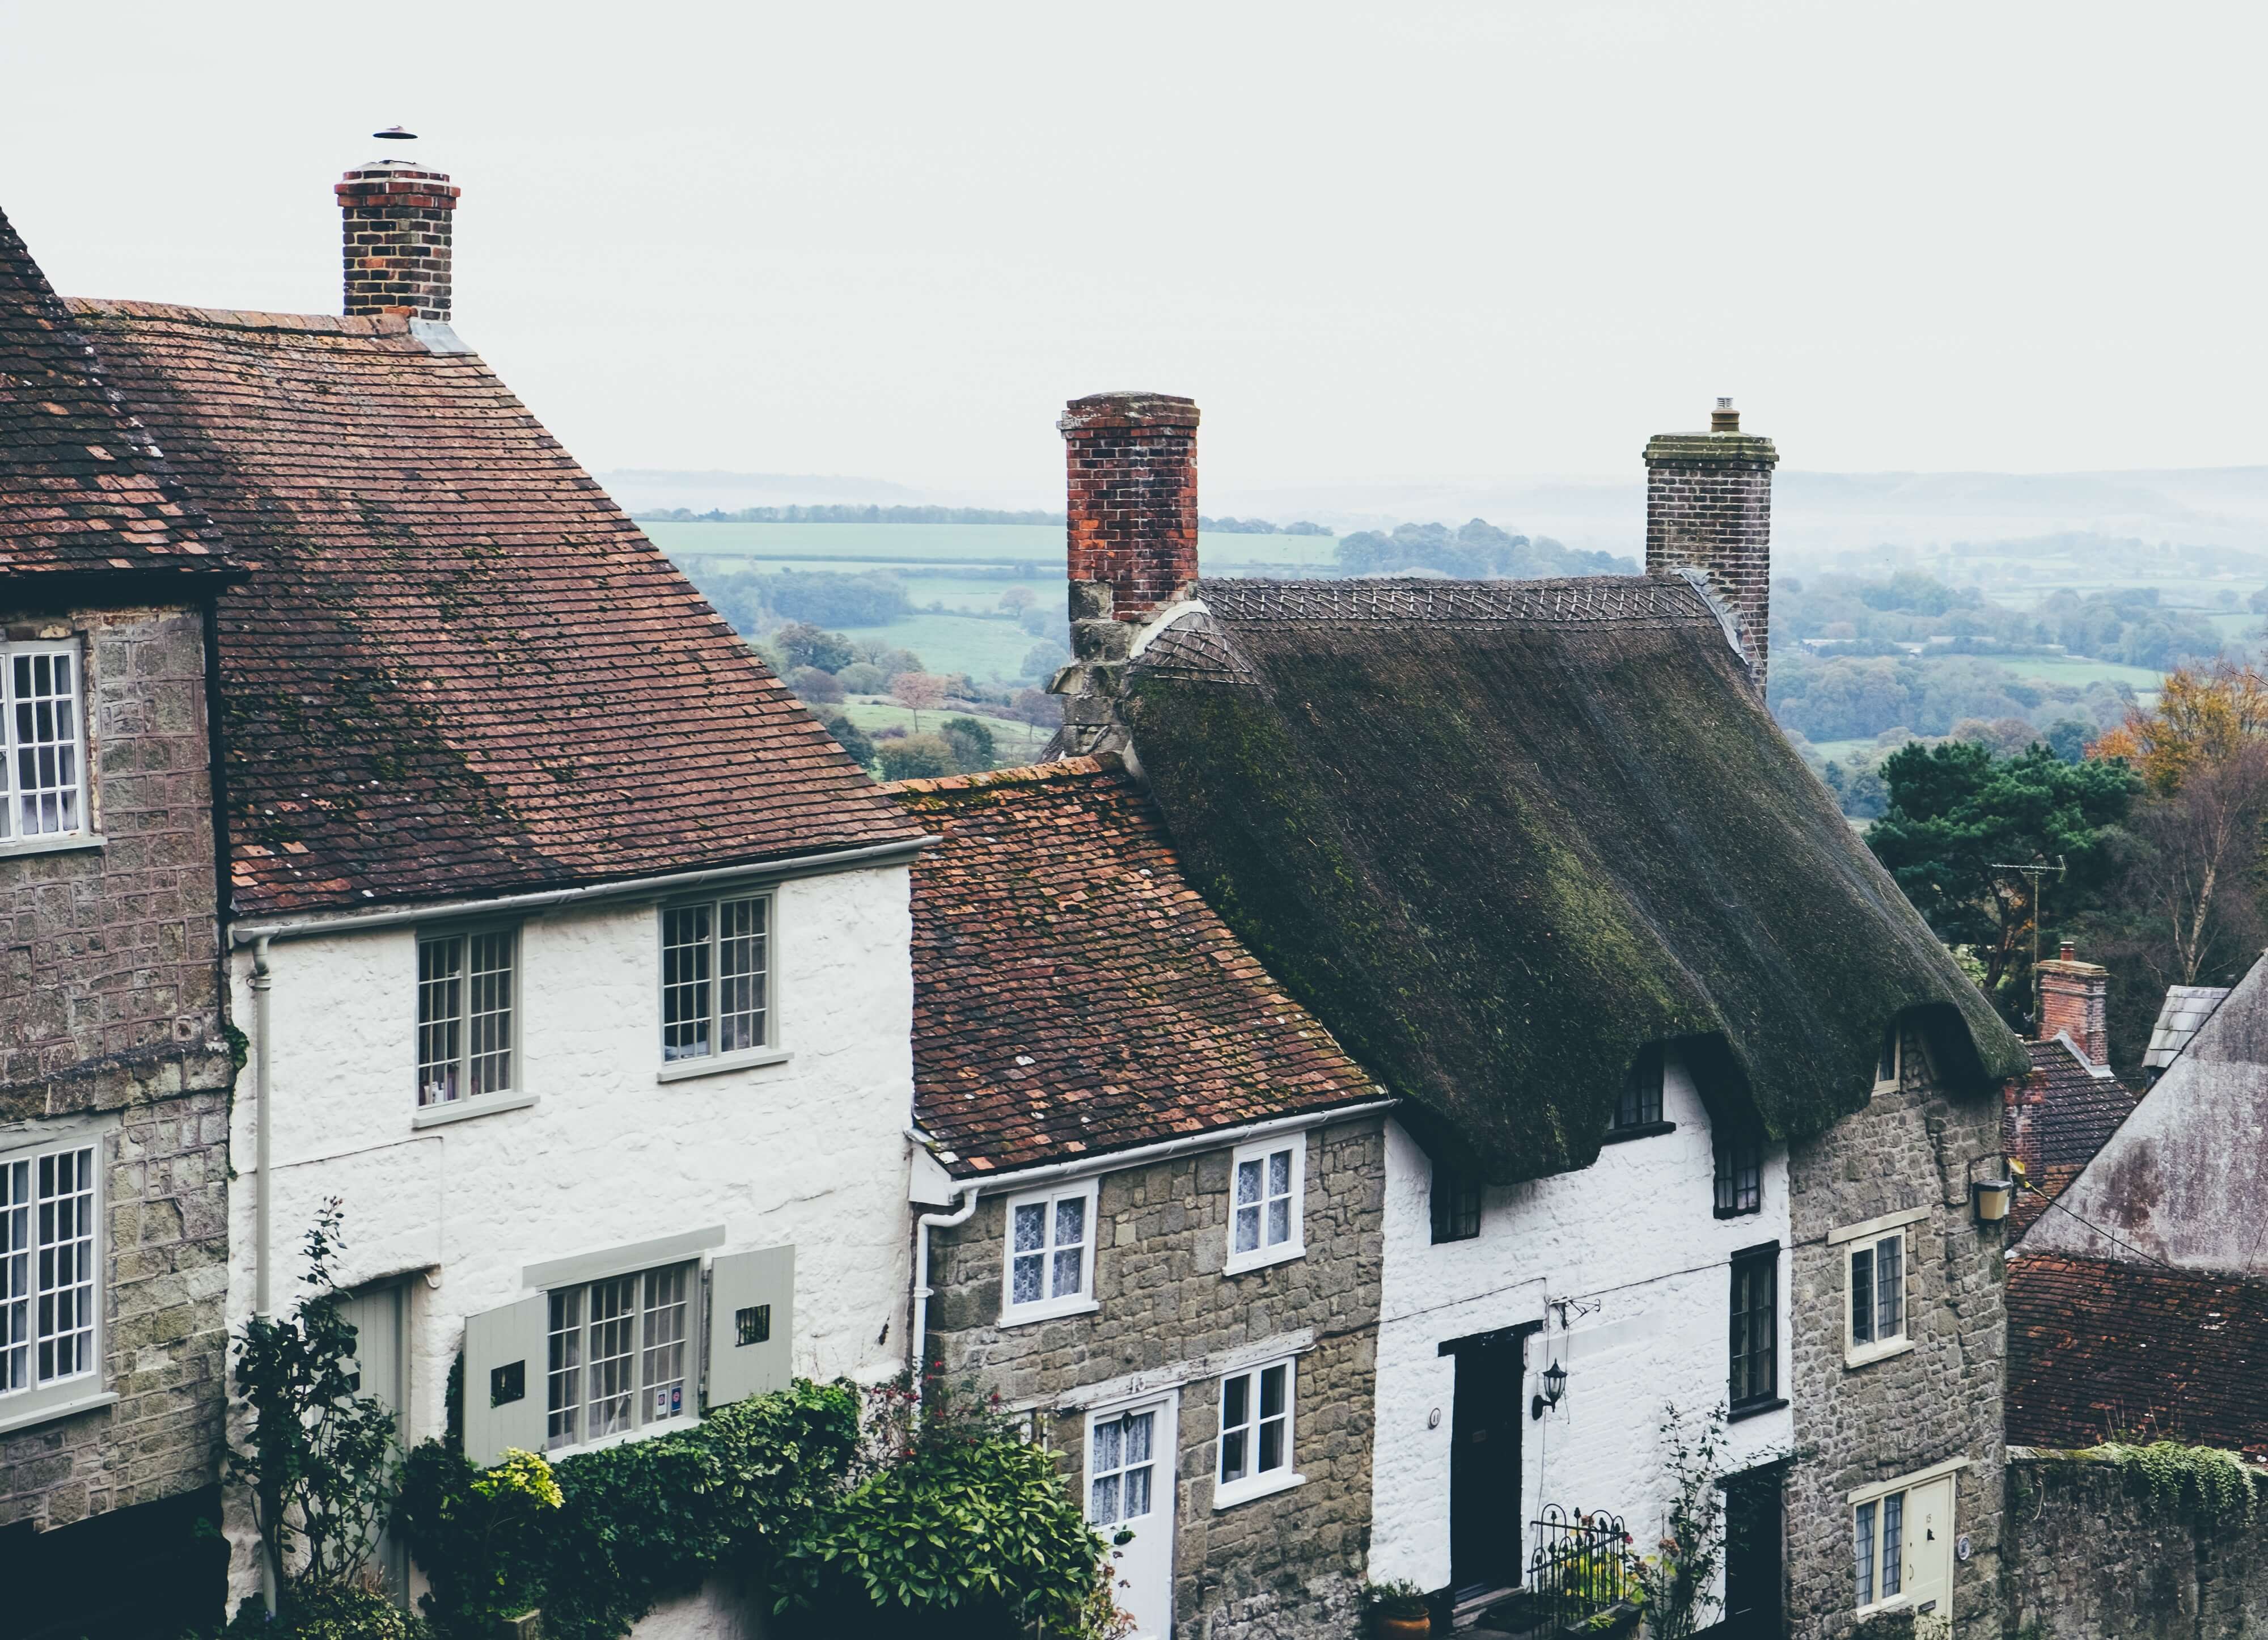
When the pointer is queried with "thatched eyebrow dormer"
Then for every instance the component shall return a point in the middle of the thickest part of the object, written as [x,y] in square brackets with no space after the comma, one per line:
[1502,836]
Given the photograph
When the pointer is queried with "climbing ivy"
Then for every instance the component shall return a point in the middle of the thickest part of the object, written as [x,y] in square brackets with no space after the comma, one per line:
[2219,1485]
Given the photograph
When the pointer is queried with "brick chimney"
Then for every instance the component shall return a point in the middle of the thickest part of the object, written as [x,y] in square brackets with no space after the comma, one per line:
[399,218]
[2074,1000]
[1708,507]
[1130,538]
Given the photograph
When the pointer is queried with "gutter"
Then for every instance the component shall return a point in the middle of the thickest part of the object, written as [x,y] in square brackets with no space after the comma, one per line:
[629,888]
[264,1127]
[922,1292]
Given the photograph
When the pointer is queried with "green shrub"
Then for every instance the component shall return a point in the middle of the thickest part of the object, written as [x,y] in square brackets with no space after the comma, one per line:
[2218,1485]
[331,1611]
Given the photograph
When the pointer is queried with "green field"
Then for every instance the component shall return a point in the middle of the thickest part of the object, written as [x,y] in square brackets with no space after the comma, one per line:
[2071,669]
[1016,742]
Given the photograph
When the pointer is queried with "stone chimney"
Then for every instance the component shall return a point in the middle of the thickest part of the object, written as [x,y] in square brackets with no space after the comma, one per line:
[2074,1000]
[399,218]
[1708,507]
[1130,537]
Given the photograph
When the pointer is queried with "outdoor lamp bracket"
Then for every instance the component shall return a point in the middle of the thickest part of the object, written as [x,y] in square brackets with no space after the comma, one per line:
[1555,1385]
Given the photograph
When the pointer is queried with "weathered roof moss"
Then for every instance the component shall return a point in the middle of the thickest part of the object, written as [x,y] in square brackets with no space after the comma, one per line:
[1501,837]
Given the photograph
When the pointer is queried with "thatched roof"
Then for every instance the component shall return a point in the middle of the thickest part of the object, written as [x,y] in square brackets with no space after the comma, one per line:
[1501,836]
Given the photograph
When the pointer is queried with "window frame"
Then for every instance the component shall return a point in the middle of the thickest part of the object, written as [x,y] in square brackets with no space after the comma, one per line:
[1459,1218]
[515,1084]
[767,1051]
[60,1396]
[1047,1309]
[1891,1053]
[1734,1147]
[1295,1246]
[1748,1262]
[642,1421]
[1867,1502]
[84,833]
[1256,1482]
[1642,1098]
[1875,1346]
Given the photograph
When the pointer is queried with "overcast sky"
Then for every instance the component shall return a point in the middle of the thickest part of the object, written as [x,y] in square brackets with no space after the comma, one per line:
[1386,241]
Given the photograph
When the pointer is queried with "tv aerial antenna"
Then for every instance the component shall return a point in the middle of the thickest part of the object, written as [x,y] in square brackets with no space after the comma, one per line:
[2038,872]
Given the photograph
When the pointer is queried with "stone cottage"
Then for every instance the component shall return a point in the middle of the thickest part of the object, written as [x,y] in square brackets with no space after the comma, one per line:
[1690,1096]
[115,1066]
[571,951]
[1155,1185]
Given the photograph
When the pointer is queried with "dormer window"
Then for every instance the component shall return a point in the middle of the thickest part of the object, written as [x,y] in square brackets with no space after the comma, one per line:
[1739,1174]
[43,735]
[1637,1112]
[1889,1062]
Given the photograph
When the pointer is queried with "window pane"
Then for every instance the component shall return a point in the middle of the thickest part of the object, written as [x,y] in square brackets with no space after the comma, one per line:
[1890,1287]
[15,1275]
[1109,1439]
[1235,1426]
[1247,1230]
[1894,1548]
[65,1306]
[488,1026]
[1280,1173]
[1067,1273]
[440,1015]
[665,1343]
[742,964]
[685,982]
[1102,1500]
[45,723]
[1886,1061]
[1247,1182]
[1070,1222]
[1865,1535]
[1025,1282]
[1138,1437]
[563,1381]
[613,1353]
[1031,1227]
[1862,1295]
[1138,1492]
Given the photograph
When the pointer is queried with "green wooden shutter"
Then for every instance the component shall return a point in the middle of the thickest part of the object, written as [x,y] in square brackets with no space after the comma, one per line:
[751,1323]
[505,1362]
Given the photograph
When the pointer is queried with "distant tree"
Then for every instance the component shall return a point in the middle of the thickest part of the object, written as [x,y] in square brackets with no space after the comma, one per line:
[2258,602]
[1042,660]
[2067,738]
[1016,600]
[850,736]
[2006,737]
[971,742]
[1957,812]
[806,645]
[827,598]
[916,758]
[1041,622]
[862,677]
[2203,715]
[1858,792]
[917,692]
[810,685]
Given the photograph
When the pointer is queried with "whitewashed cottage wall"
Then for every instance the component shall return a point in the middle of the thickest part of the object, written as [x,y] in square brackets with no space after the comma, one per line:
[1634,1240]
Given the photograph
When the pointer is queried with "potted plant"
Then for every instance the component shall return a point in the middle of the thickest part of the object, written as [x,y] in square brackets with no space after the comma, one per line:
[1398,1610]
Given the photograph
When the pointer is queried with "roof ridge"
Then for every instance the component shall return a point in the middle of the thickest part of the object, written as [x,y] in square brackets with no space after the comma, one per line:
[1020,774]
[244,319]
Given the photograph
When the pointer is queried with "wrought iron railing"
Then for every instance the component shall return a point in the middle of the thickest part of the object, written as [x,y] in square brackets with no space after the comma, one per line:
[1578,1565]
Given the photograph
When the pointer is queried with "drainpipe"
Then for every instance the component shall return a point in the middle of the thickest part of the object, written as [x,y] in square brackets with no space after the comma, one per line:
[261,1259]
[927,1223]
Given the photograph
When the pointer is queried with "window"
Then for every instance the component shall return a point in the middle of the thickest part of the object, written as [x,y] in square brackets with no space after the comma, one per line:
[1051,1253]
[716,960]
[1638,1109]
[1256,1434]
[1889,1059]
[1265,1185]
[1739,1174]
[49,1207]
[44,737]
[1878,1294]
[1755,1377]
[1457,1204]
[1903,1540]
[616,1355]
[1121,1466]
[465,1015]
[1880,1535]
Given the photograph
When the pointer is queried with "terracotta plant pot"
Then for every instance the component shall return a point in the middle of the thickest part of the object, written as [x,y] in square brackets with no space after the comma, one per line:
[1401,1627]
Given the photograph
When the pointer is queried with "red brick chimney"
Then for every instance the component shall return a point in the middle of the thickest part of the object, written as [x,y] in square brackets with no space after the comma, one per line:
[398,219]
[2074,1001]
[1708,507]
[1131,506]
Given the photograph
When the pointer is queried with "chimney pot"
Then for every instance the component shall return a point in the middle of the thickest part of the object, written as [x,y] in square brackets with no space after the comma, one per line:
[1724,418]
[2066,952]
[398,220]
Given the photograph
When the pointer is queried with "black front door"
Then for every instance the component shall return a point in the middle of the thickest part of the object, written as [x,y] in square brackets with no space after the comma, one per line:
[1752,1556]
[1484,1525]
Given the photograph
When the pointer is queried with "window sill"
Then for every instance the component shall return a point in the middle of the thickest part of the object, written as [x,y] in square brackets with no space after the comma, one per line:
[1756,1409]
[717,1064]
[1856,1356]
[1737,1213]
[53,1410]
[466,1110]
[1052,1310]
[1229,1495]
[63,845]
[1643,1130]
[646,1431]
[1241,1263]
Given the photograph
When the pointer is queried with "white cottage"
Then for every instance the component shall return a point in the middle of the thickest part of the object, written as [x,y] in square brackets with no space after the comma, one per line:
[569,951]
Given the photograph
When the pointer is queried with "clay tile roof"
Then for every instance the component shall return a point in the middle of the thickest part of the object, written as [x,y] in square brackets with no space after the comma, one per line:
[458,669]
[2096,1349]
[82,488]
[1073,994]
[2070,1114]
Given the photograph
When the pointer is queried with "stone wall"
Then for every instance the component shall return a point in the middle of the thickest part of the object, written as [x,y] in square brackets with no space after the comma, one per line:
[1289,1564]
[1940,1400]
[109,986]
[2087,1557]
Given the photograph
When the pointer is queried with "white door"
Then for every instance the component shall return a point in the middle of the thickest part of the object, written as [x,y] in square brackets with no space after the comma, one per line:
[379,1316]
[1129,1494]
[1928,1547]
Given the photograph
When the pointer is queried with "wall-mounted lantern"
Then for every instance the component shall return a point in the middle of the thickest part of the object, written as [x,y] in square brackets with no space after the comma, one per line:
[1555,1385]
[1993,1195]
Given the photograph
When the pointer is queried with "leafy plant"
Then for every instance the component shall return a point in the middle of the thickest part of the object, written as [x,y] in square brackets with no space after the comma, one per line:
[320,1460]
[2218,1485]
[1677,1583]
[338,1611]
[1398,1598]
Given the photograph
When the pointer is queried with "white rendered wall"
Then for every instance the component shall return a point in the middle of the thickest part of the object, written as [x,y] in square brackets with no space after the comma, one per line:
[1633,1240]
[811,1152]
